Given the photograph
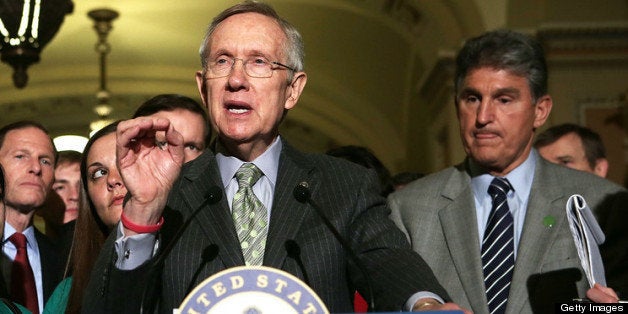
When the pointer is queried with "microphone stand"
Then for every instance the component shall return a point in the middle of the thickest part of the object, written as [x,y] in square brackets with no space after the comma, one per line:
[294,251]
[303,195]
[214,195]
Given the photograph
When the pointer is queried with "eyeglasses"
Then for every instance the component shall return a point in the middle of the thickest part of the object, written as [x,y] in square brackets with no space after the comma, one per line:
[258,67]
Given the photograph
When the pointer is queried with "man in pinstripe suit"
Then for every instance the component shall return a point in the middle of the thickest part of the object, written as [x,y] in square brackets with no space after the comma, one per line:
[247,101]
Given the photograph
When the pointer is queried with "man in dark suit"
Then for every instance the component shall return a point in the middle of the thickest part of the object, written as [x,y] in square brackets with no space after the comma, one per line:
[526,260]
[28,157]
[252,75]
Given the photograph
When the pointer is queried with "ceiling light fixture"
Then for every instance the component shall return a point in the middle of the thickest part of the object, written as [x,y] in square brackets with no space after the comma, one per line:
[70,142]
[25,28]
[102,24]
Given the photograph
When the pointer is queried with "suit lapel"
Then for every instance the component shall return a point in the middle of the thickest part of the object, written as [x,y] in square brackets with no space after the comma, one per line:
[217,217]
[287,213]
[458,221]
[536,238]
[50,264]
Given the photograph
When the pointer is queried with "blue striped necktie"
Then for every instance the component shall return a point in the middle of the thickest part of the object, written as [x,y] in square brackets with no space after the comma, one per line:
[498,248]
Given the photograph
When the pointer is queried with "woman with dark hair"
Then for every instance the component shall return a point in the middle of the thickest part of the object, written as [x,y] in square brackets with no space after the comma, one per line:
[100,207]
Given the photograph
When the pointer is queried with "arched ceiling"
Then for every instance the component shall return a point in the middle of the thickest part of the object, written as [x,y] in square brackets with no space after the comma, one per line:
[366,60]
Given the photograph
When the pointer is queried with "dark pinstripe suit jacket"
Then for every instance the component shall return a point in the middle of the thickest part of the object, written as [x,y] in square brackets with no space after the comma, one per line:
[346,192]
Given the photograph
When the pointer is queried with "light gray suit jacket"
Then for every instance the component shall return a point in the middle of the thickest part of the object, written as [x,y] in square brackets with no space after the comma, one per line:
[437,213]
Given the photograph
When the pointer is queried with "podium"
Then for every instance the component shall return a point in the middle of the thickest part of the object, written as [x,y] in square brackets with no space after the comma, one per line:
[252,290]
[256,290]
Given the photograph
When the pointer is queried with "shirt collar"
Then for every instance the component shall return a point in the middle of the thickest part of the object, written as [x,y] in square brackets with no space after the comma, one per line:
[520,178]
[29,233]
[267,162]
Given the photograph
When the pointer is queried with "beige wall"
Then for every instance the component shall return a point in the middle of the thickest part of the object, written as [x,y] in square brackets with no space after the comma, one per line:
[379,70]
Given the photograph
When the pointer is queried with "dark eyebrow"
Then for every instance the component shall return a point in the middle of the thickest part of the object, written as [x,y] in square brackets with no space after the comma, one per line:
[219,52]
[468,91]
[20,150]
[32,154]
[257,53]
[199,144]
[508,91]
[51,157]
[95,164]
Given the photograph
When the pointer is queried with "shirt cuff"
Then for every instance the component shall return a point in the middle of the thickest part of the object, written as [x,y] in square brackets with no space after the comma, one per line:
[420,295]
[134,250]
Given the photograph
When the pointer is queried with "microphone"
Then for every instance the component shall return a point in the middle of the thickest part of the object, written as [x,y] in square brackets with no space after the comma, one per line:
[213,196]
[303,195]
[294,251]
[210,252]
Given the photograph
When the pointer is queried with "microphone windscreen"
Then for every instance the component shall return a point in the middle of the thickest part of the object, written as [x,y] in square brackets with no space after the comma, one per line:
[302,192]
[214,195]
[292,248]
[210,252]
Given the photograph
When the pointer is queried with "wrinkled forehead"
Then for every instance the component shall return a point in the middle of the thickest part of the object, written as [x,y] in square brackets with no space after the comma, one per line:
[28,137]
[247,33]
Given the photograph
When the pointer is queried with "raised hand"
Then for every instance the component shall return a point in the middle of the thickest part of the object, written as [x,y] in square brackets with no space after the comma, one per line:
[149,155]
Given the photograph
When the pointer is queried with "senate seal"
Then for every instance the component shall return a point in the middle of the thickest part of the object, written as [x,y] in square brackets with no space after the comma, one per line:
[252,290]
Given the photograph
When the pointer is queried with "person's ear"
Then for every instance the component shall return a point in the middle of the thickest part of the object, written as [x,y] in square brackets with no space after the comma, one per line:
[601,167]
[542,110]
[295,89]
[202,87]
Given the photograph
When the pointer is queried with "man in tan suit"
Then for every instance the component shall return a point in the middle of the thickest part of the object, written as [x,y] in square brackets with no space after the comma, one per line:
[526,260]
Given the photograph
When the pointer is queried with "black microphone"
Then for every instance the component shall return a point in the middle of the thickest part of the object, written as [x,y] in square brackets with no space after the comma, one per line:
[302,194]
[210,253]
[294,251]
[213,196]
